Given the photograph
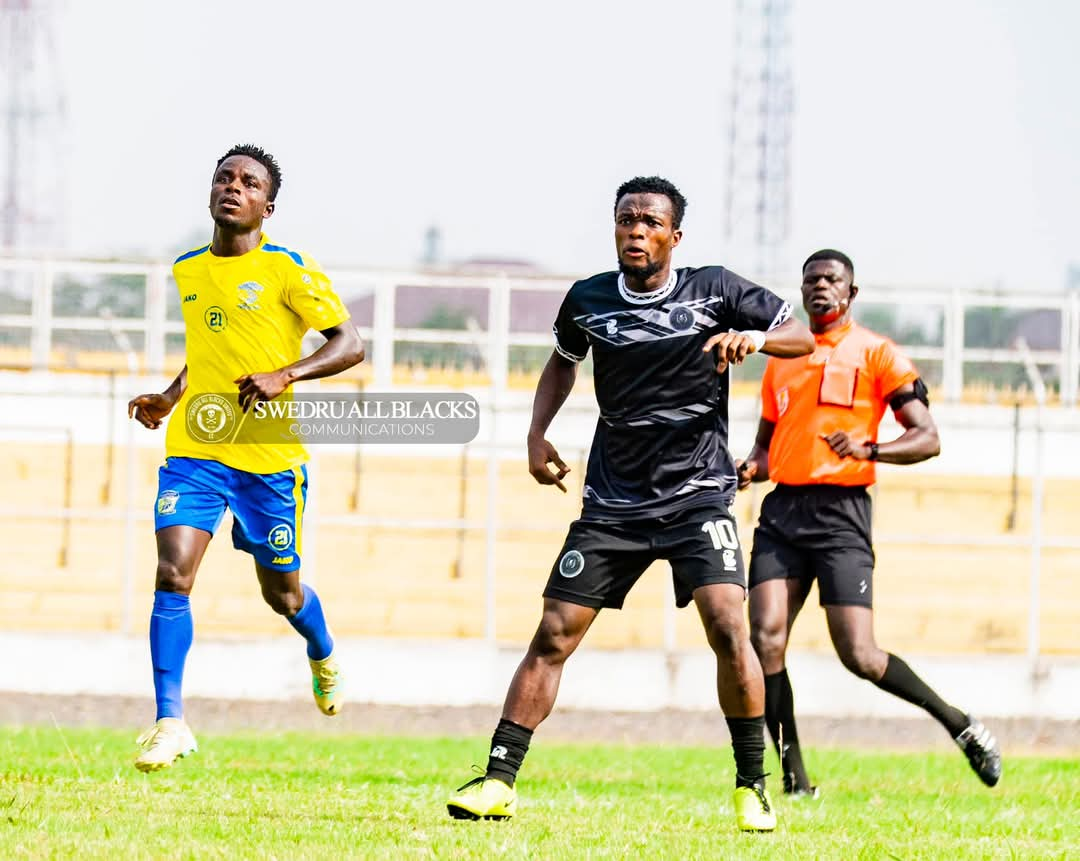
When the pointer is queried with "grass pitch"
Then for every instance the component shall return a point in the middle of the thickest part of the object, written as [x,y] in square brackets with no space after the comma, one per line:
[75,794]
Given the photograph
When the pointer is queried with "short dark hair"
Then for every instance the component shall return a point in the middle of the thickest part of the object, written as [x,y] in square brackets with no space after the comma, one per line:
[655,185]
[262,157]
[832,254]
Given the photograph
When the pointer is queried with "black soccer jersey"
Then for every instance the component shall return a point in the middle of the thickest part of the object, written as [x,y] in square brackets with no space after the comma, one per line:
[660,444]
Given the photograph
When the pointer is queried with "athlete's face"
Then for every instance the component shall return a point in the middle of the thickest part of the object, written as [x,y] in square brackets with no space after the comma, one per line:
[827,290]
[240,194]
[644,233]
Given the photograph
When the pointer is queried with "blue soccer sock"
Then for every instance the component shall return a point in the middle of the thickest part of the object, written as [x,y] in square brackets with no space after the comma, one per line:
[311,625]
[171,633]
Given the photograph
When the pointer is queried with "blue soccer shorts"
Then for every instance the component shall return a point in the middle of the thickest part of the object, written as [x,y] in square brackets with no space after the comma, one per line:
[268,510]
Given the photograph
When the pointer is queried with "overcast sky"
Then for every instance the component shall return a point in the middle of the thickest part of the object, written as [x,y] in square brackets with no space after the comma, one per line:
[935,142]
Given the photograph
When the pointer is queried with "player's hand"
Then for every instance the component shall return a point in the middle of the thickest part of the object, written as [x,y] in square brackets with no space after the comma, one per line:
[149,410]
[745,470]
[731,349]
[260,387]
[541,453]
[841,443]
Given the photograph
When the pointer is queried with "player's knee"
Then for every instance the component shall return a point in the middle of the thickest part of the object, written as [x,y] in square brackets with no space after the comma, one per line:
[726,634]
[172,577]
[284,603]
[769,640]
[553,641]
[861,659]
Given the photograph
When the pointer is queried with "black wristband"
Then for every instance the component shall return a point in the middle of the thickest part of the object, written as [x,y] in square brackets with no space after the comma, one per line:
[873,450]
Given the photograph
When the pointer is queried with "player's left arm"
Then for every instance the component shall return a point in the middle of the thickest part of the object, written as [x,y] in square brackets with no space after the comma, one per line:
[918,442]
[342,350]
[790,339]
[762,323]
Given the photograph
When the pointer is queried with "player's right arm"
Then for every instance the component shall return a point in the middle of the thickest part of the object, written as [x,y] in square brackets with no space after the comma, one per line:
[149,410]
[756,465]
[556,381]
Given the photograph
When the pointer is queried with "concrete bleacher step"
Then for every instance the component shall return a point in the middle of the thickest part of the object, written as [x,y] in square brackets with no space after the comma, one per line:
[430,582]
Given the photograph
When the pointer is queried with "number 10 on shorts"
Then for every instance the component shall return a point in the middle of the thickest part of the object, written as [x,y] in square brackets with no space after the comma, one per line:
[722,533]
[724,537]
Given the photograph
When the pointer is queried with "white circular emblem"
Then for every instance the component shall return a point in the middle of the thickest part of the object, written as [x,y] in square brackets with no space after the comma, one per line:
[210,418]
[571,564]
[280,537]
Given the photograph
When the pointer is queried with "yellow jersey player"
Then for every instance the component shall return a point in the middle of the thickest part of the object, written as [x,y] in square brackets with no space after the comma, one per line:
[247,304]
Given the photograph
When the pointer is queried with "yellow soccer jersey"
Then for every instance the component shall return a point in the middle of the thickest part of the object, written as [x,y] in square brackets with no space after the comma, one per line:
[243,315]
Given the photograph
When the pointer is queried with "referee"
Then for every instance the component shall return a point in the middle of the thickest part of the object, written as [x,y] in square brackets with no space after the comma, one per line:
[817,439]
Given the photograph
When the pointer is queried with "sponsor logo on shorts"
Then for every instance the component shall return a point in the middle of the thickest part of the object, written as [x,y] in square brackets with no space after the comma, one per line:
[280,537]
[571,564]
[166,503]
[612,327]
[728,557]
[282,560]
[210,418]
[862,586]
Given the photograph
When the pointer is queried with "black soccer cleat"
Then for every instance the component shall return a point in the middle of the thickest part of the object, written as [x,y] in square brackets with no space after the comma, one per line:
[982,751]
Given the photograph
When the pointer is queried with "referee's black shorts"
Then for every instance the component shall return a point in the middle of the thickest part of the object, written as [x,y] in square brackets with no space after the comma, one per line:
[817,531]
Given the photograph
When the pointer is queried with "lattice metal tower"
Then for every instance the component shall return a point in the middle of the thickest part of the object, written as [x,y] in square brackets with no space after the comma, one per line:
[758,201]
[33,141]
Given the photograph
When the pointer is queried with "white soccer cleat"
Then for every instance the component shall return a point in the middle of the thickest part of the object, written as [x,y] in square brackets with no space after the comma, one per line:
[164,743]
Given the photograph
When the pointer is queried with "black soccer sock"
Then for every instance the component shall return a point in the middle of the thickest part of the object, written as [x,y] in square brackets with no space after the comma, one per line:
[780,719]
[900,680]
[748,742]
[509,745]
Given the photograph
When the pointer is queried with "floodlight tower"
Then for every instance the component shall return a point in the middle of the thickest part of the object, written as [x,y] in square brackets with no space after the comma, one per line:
[758,200]
[33,140]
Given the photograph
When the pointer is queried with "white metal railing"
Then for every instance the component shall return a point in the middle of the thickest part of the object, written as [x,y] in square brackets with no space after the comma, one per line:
[41,323]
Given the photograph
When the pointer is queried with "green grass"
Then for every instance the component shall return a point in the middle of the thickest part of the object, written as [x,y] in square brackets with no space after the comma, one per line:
[75,794]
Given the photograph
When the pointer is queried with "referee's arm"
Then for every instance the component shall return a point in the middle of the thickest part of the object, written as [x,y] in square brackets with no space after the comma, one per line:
[917,443]
[756,465]
[920,440]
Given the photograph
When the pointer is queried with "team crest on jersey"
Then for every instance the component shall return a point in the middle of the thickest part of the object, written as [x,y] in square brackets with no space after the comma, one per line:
[671,320]
[783,399]
[248,293]
[166,503]
[681,318]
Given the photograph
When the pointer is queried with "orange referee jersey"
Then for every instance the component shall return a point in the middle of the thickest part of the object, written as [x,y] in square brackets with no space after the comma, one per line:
[843,385]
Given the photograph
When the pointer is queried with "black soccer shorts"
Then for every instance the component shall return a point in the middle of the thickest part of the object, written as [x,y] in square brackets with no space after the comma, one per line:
[601,561]
[817,531]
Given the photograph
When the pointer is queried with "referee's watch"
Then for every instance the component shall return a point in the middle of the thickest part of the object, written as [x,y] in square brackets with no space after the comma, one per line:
[873,450]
